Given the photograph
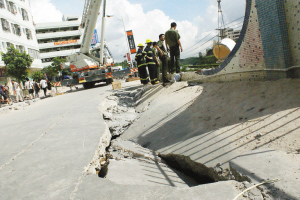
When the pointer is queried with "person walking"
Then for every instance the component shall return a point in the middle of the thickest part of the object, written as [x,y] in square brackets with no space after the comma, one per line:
[163,57]
[43,84]
[36,89]
[172,41]
[49,86]
[141,63]
[151,63]
[31,89]
[26,87]
[17,91]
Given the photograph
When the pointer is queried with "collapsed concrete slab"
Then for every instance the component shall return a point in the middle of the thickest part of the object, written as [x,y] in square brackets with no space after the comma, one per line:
[131,164]
[267,164]
[93,188]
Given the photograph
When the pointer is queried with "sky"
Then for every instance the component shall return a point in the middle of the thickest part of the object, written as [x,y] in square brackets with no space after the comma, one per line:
[148,18]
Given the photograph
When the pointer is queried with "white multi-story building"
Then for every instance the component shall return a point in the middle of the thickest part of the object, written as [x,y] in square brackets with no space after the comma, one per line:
[58,39]
[232,34]
[17,29]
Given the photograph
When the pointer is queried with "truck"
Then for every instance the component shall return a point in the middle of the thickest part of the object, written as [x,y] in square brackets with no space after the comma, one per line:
[92,65]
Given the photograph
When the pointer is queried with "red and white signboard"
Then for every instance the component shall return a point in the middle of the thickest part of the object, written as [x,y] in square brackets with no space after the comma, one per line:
[131,42]
[128,57]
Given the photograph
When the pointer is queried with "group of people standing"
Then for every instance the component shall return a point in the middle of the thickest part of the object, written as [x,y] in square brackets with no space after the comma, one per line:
[155,51]
[32,89]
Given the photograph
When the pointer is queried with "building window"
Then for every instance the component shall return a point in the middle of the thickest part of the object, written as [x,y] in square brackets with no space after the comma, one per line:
[4,45]
[5,25]
[11,7]
[28,34]
[24,15]
[2,4]
[8,44]
[34,53]
[20,48]
[16,29]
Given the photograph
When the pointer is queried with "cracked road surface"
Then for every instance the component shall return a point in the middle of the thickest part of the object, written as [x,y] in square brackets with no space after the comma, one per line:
[45,148]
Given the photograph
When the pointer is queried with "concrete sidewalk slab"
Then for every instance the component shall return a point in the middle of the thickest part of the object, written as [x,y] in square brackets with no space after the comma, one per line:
[165,105]
[131,164]
[267,164]
[92,188]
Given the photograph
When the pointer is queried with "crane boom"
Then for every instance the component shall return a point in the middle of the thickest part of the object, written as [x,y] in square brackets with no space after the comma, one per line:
[89,20]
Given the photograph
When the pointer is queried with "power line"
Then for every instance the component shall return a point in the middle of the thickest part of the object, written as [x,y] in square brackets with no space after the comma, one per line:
[214,31]
[234,21]
[201,39]
[186,53]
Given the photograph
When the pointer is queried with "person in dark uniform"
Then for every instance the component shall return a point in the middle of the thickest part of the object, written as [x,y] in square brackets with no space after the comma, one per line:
[141,64]
[173,44]
[163,57]
[151,63]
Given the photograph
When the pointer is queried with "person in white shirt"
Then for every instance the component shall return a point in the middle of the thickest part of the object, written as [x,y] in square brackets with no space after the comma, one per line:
[31,89]
[17,90]
[28,87]
[43,85]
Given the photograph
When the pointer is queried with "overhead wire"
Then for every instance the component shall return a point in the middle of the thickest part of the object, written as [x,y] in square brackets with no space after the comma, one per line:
[212,32]
[187,52]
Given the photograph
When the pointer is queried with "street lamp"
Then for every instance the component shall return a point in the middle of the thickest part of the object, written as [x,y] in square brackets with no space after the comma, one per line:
[125,35]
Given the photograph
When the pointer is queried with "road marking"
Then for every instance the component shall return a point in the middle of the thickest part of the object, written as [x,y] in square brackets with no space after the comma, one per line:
[31,144]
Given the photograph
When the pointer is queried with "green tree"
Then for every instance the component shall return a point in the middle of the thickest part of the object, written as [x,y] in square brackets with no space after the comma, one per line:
[123,64]
[17,64]
[36,75]
[53,69]
[67,71]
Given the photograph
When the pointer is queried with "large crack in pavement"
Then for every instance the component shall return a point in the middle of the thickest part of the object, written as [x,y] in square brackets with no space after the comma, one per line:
[126,162]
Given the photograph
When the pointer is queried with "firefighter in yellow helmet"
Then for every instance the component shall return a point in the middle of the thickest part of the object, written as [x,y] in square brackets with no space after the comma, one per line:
[151,63]
[141,63]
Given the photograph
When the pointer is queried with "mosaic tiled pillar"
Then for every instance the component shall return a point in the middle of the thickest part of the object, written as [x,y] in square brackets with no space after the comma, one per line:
[292,11]
[247,57]
[268,46]
[274,33]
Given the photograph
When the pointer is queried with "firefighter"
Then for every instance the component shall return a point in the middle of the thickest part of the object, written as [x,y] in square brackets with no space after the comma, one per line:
[151,63]
[142,66]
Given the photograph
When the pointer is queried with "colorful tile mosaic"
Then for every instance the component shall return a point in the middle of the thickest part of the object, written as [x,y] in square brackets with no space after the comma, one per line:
[268,46]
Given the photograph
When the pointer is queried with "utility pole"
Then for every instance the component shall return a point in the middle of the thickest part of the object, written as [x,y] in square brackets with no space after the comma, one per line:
[102,33]
[220,29]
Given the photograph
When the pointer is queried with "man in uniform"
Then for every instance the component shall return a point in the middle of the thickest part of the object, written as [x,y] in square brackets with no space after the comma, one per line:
[151,63]
[141,64]
[173,44]
[163,56]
